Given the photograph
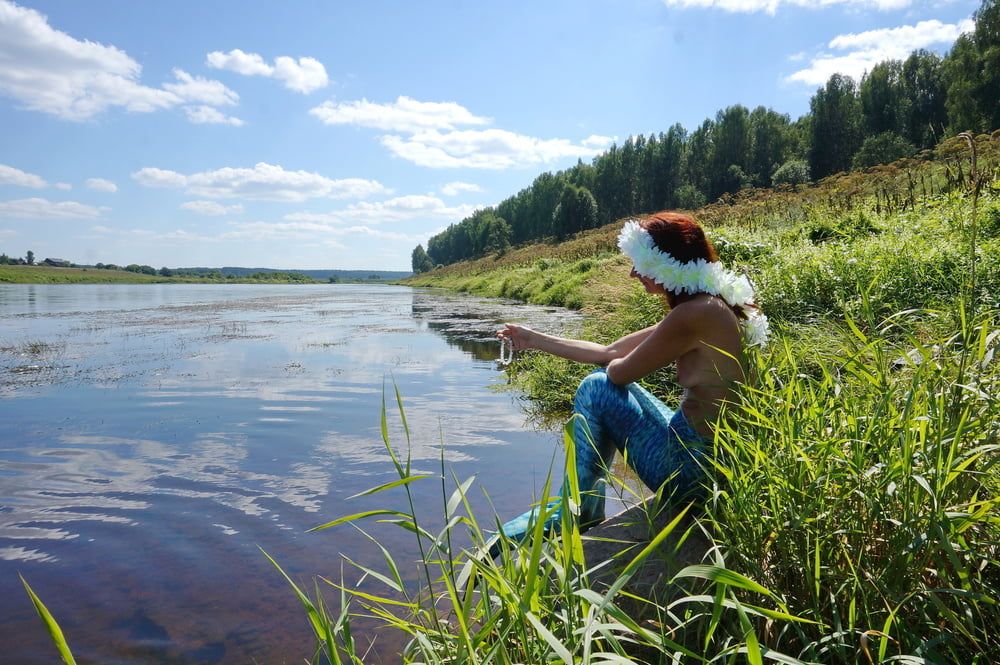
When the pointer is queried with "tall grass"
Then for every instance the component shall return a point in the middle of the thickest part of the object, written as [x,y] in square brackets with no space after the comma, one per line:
[853,519]
[535,603]
[865,492]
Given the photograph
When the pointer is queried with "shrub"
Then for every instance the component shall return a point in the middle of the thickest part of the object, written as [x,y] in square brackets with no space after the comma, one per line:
[792,172]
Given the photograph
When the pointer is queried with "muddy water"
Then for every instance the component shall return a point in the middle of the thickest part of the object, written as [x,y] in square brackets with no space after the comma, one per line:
[153,439]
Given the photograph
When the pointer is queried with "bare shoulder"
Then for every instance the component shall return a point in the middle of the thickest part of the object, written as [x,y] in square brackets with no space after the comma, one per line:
[701,312]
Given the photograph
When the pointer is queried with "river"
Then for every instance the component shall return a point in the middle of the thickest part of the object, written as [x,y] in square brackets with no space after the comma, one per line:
[154,438]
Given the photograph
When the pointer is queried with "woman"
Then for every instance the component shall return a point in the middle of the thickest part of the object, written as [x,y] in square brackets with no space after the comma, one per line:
[711,317]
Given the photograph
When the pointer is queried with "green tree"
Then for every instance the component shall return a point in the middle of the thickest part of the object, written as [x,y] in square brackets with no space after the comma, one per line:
[835,130]
[577,210]
[730,147]
[972,72]
[881,149]
[668,168]
[987,36]
[497,236]
[608,187]
[883,101]
[420,261]
[696,164]
[30,258]
[793,172]
[690,197]
[960,68]
[772,141]
[925,116]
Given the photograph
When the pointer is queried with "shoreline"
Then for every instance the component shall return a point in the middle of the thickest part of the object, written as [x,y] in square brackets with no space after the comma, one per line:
[11,274]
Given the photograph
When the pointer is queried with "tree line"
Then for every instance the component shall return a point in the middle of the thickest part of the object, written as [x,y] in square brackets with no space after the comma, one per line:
[896,110]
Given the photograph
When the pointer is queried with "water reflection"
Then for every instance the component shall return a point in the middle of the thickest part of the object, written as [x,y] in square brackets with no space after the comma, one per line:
[470,323]
[166,432]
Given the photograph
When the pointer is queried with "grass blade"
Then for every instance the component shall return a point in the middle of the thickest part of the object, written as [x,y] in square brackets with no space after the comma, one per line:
[55,632]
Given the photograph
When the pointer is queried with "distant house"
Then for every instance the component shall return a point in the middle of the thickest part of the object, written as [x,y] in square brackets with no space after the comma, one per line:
[57,263]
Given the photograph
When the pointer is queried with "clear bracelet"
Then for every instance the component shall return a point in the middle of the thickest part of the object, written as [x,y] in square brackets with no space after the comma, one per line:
[506,352]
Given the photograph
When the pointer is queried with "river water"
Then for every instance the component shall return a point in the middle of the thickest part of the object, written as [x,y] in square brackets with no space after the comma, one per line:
[154,438]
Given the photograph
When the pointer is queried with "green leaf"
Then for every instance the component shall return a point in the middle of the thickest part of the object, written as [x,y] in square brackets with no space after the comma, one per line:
[55,632]
[389,486]
[721,575]
[374,573]
[315,618]
[369,596]
[456,496]
[356,516]
[553,641]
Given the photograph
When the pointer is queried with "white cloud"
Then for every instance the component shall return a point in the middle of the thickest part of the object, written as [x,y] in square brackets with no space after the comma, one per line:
[102,185]
[303,75]
[598,141]
[206,115]
[403,115]
[864,50]
[248,64]
[38,208]
[482,149]
[433,137]
[398,209]
[211,208]
[64,186]
[154,177]
[453,188]
[198,90]
[311,231]
[18,178]
[905,38]
[47,70]
[771,6]
[263,182]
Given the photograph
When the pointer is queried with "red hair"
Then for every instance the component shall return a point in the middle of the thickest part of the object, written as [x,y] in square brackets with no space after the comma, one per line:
[682,238]
[679,236]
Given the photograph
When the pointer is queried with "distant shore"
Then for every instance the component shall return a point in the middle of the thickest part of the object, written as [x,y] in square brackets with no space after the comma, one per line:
[51,275]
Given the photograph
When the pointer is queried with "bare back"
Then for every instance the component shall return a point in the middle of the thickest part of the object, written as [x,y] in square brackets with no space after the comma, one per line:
[709,371]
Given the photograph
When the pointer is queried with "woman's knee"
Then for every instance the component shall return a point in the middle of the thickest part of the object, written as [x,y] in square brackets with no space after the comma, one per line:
[592,385]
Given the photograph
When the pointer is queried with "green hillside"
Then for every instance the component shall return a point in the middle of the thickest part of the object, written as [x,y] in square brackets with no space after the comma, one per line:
[856,479]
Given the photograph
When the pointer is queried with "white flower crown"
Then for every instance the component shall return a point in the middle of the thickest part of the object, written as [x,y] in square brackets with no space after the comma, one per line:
[697,276]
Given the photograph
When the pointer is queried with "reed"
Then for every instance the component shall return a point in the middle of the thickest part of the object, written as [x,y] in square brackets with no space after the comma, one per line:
[853,510]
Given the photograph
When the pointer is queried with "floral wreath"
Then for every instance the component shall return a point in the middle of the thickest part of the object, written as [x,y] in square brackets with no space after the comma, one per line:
[697,276]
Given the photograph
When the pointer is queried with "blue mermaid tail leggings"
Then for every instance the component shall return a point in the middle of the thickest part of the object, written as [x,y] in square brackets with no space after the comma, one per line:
[658,443]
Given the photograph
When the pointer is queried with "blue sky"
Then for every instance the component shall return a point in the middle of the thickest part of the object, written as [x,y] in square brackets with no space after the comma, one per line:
[341,134]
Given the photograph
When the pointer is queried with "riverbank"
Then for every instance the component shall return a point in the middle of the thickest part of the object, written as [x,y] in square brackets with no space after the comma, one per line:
[852,246]
[854,490]
[17,274]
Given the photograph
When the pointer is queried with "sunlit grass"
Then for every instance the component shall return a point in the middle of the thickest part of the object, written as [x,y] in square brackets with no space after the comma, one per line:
[853,519]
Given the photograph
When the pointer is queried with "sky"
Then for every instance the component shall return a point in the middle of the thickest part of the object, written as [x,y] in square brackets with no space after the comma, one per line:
[320,135]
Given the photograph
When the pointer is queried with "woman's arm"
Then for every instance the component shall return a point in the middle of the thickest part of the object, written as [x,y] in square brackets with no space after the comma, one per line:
[522,337]
[679,332]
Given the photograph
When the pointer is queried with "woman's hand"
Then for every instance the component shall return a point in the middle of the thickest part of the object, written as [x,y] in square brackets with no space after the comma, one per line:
[520,338]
